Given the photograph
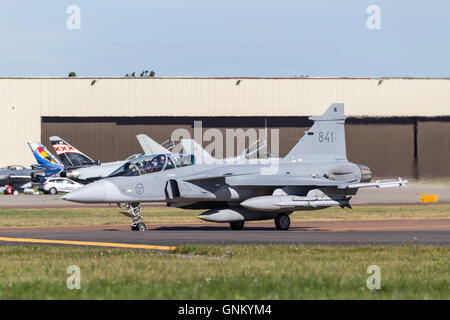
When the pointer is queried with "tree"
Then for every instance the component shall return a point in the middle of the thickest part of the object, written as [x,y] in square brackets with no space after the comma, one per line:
[144,73]
[72,74]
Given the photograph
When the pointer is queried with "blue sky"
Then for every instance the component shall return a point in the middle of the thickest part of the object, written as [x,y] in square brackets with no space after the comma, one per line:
[255,38]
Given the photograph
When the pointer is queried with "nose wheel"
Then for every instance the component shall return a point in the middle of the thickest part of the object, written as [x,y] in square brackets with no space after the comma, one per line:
[134,212]
[138,227]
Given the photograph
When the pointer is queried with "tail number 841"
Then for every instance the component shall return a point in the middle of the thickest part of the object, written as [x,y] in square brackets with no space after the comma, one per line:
[326,136]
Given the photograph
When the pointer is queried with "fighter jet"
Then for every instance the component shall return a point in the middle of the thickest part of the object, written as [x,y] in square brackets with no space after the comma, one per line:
[45,159]
[80,167]
[19,177]
[191,146]
[150,146]
[315,174]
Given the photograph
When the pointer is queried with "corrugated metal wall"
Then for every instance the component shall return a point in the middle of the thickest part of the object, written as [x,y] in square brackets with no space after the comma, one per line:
[159,129]
[184,97]
[93,136]
[388,149]
[434,148]
[387,146]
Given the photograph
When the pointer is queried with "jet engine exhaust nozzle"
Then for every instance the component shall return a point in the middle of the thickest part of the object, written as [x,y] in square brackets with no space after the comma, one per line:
[73,174]
[366,173]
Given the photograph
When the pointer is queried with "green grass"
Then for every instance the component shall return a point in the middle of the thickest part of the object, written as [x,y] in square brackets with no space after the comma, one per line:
[91,216]
[231,272]
[415,212]
[435,180]
[168,215]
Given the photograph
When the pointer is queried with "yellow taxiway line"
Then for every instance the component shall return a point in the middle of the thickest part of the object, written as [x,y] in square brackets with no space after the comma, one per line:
[89,243]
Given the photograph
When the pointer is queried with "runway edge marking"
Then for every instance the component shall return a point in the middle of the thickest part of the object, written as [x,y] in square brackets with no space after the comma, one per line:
[89,243]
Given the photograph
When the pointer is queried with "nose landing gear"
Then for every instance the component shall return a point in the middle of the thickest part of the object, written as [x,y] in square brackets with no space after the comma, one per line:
[140,226]
[134,212]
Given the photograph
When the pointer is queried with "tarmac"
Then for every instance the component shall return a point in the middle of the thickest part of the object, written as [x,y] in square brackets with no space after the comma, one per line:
[378,196]
[166,237]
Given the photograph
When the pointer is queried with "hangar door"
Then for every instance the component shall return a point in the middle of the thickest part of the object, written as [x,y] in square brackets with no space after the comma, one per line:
[388,148]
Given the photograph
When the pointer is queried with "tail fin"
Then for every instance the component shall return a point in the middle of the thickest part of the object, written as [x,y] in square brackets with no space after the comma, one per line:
[201,155]
[69,155]
[325,140]
[255,148]
[150,146]
[45,158]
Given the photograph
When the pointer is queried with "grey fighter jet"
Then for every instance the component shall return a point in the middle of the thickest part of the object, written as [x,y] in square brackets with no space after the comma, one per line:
[191,146]
[315,174]
[78,166]
[19,177]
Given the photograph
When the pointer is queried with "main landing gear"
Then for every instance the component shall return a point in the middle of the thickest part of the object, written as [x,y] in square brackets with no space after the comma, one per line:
[282,221]
[237,225]
[134,212]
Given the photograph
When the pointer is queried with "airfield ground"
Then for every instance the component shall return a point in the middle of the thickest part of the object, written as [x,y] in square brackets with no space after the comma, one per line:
[410,269]
[324,256]
[166,215]
[231,272]
[367,196]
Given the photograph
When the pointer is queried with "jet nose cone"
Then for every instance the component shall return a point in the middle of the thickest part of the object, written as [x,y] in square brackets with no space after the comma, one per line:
[91,193]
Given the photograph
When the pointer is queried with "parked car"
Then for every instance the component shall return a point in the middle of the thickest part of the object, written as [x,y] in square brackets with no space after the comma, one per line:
[55,185]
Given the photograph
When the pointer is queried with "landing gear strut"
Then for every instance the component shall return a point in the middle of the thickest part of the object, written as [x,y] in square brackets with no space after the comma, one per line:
[134,212]
[282,221]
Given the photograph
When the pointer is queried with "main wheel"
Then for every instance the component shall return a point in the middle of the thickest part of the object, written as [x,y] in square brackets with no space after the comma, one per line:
[282,221]
[237,225]
[53,191]
[141,227]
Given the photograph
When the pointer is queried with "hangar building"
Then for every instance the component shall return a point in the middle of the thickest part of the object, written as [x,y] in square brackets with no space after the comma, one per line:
[397,126]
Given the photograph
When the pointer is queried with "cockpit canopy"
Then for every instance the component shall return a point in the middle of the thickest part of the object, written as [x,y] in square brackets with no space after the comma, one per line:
[153,163]
[134,156]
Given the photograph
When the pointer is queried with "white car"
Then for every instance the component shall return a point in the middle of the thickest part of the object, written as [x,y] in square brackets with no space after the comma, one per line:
[55,185]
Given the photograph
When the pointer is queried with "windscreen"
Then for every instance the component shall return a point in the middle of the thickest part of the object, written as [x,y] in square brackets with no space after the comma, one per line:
[144,166]
[127,170]
[75,159]
[152,165]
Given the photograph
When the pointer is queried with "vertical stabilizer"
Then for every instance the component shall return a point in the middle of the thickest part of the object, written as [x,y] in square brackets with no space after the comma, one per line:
[45,158]
[69,155]
[325,140]
[191,146]
[150,146]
